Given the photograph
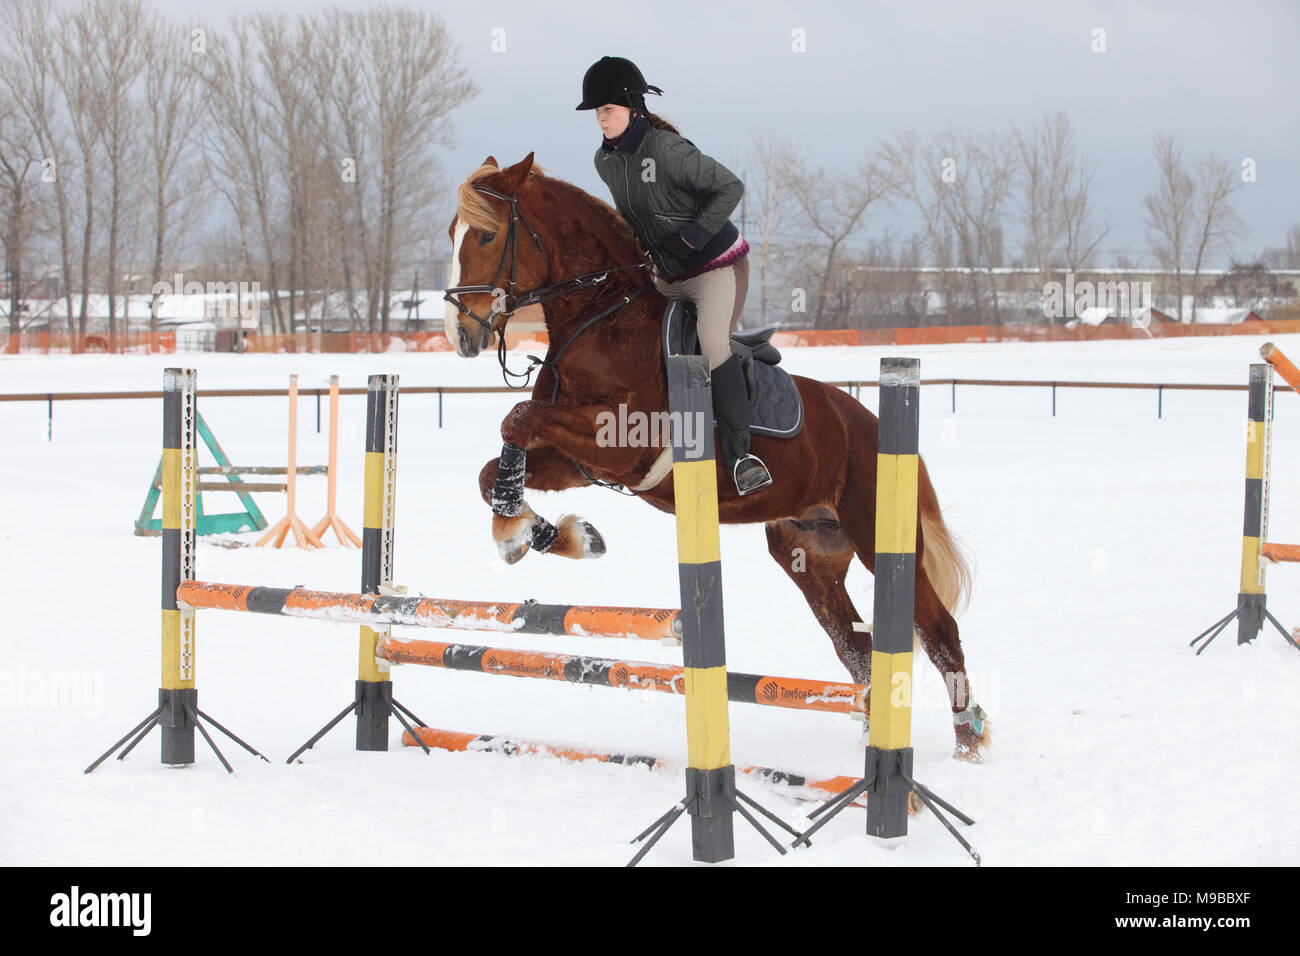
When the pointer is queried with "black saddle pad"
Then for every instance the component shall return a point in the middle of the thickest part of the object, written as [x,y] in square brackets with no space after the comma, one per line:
[775,401]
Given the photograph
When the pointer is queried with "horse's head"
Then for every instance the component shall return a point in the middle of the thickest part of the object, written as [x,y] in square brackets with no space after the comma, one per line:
[496,253]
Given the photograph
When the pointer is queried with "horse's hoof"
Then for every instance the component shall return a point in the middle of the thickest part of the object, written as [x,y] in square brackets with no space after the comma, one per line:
[514,536]
[577,539]
[970,745]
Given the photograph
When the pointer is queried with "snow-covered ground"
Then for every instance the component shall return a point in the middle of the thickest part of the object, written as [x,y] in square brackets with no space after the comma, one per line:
[1104,539]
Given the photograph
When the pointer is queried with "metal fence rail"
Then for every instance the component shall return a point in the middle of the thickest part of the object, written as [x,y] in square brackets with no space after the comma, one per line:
[853,385]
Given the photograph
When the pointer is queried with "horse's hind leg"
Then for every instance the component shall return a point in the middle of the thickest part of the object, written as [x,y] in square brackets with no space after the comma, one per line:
[816,554]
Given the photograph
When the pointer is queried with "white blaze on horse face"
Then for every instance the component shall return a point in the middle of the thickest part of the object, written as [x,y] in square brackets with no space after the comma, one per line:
[451,321]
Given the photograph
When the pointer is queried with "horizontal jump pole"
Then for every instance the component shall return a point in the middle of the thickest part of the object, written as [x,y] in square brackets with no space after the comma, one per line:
[528,617]
[237,486]
[1275,357]
[792,692]
[1281,552]
[802,787]
[262,470]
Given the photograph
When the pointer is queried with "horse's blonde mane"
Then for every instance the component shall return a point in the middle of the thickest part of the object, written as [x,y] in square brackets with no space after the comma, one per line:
[476,210]
[473,208]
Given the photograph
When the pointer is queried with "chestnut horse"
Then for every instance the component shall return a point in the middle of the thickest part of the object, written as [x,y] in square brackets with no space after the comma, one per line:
[576,255]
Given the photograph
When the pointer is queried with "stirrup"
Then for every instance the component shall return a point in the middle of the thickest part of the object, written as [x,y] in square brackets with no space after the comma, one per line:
[755,475]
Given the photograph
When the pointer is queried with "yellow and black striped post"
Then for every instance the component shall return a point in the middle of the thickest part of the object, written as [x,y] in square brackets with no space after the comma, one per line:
[710,775]
[889,748]
[887,778]
[373,701]
[1252,603]
[374,685]
[711,795]
[1251,599]
[177,715]
[177,696]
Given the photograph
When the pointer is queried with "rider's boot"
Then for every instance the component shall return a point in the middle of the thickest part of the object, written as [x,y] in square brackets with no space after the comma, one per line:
[732,409]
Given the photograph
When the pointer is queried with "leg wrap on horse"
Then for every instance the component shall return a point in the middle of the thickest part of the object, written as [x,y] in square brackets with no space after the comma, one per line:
[973,715]
[508,491]
[544,534]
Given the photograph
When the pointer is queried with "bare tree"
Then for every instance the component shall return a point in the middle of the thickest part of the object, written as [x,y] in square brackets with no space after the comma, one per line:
[352,195]
[19,153]
[284,54]
[773,156]
[834,209]
[172,106]
[27,70]
[915,174]
[1170,211]
[1045,150]
[1081,237]
[412,81]
[1286,256]
[114,57]
[1215,221]
[75,32]
[984,167]
[1055,179]
[238,149]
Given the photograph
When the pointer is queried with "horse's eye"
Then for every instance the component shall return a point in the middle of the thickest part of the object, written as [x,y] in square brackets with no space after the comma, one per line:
[487,237]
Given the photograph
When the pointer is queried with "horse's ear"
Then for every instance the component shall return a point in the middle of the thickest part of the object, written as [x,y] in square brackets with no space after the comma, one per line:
[490,161]
[516,174]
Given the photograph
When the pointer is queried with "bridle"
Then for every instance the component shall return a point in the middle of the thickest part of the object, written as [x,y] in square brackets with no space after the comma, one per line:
[536,297]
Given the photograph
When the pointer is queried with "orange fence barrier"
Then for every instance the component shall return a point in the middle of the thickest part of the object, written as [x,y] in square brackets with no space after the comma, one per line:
[133,342]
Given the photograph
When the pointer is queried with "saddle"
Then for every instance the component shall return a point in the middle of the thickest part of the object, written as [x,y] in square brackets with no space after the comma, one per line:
[774,400]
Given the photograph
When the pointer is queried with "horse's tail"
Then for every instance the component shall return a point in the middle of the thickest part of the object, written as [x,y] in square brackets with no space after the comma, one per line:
[943,559]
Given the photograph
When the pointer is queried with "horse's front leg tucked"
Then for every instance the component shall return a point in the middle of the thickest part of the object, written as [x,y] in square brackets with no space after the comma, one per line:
[549,471]
[568,431]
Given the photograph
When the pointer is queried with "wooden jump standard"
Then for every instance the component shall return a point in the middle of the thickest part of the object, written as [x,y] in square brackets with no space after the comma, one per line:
[251,518]
[1256,551]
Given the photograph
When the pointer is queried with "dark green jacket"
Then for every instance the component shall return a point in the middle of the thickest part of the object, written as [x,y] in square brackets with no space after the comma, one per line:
[676,199]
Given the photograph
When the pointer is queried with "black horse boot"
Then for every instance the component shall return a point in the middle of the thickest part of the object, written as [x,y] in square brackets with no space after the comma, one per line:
[732,409]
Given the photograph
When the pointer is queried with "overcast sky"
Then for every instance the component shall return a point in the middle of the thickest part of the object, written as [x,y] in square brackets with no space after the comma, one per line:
[1224,75]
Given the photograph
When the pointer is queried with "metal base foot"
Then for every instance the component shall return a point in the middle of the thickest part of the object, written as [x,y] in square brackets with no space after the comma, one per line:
[178,716]
[711,797]
[374,704]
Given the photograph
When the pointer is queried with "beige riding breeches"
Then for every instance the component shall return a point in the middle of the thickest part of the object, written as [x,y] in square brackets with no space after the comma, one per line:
[719,296]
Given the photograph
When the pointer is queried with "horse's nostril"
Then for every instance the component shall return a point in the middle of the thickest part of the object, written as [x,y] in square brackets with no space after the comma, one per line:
[464,340]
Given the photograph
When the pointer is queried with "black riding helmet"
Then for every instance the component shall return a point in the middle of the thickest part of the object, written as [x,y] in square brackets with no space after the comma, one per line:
[613,79]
